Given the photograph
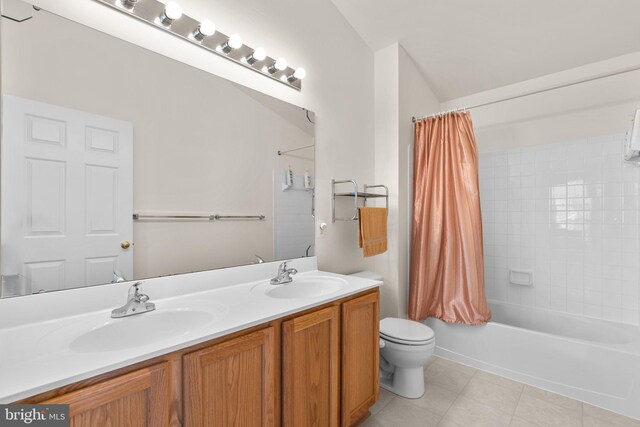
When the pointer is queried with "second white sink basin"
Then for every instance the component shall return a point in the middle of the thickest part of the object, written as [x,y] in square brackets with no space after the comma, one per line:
[302,287]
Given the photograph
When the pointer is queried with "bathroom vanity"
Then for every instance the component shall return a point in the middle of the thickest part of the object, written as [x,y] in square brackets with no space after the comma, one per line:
[110,181]
[310,359]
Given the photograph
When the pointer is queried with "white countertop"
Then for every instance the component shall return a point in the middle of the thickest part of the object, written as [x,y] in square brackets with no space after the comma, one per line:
[35,354]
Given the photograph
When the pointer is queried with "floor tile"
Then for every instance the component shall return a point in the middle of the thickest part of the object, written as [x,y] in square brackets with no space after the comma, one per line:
[595,416]
[370,422]
[436,399]
[460,396]
[547,414]
[455,365]
[554,398]
[492,393]
[469,413]
[448,375]
[501,381]
[384,398]
[401,413]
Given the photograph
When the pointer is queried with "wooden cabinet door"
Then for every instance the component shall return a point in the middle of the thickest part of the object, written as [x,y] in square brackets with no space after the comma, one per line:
[360,357]
[232,383]
[310,369]
[138,399]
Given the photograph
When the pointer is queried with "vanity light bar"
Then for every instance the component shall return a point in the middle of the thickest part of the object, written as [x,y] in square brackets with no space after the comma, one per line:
[169,17]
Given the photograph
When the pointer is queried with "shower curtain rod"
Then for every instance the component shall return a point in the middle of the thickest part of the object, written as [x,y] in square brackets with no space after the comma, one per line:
[535,92]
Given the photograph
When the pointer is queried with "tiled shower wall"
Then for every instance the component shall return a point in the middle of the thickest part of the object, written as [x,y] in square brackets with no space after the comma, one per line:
[567,212]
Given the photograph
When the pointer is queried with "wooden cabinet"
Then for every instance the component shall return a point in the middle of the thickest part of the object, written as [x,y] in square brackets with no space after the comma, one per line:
[232,383]
[139,398]
[360,360]
[315,368]
[310,369]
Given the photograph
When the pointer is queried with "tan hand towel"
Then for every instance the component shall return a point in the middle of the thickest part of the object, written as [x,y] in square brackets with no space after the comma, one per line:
[372,234]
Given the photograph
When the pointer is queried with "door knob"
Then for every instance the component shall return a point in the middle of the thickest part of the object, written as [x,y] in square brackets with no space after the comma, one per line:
[125,244]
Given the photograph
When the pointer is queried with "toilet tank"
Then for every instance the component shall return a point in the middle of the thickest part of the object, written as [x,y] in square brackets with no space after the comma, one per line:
[369,275]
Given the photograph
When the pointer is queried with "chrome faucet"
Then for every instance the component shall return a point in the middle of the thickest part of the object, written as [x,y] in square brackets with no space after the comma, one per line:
[284,274]
[136,303]
[118,277]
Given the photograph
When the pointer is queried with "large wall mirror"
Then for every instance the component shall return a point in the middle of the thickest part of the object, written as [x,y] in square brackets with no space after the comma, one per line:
[120,164]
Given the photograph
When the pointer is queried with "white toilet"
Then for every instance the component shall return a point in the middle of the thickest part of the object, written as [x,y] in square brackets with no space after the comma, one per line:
[405,347]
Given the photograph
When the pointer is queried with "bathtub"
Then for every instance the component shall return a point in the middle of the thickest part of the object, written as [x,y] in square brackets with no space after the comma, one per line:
[591,360]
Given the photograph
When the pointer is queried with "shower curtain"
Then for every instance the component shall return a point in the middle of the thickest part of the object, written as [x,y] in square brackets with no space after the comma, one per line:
[447,264]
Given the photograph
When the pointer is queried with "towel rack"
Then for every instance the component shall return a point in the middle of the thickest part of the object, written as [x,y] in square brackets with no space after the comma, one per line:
[212,217]
[364,195]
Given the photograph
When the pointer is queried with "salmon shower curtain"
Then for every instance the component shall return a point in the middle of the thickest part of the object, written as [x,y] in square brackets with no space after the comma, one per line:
[447,264]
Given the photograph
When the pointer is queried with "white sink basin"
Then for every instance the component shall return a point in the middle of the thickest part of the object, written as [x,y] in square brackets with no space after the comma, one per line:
[302,287]
[140,330]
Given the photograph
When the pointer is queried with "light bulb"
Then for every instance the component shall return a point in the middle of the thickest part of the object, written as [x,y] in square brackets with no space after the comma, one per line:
[173,10]
[258,55]
[205,29]
[235,41]
[280,64]
[300,73]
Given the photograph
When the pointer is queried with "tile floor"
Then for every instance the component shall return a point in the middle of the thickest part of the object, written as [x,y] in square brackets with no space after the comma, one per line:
[461,396]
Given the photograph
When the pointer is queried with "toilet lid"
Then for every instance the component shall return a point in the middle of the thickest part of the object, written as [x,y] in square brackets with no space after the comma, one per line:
[405,330]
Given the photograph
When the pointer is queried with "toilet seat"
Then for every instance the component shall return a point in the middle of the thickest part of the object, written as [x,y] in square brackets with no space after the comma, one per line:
[405,342]
[404,331]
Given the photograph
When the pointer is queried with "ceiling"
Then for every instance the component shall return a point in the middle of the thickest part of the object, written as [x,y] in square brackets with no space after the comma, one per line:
[468,46]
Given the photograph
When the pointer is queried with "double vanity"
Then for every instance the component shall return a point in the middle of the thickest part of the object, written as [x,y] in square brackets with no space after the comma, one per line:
[123,207]
[224,347]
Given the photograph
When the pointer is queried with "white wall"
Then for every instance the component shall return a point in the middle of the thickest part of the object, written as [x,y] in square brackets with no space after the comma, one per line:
[339,86]
[401,92]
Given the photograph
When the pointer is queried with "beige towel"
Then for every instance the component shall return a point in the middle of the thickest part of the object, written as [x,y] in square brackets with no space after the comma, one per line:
[372,234]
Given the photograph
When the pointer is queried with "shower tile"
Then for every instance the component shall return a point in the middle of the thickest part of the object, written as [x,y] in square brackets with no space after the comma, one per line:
[571,213]
[592,310]
[612,314]
[513,157]
[630,316]
[596,417]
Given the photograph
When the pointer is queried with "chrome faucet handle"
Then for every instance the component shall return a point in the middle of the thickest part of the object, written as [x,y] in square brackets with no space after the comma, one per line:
[137,303]
[134,290]
[284,274]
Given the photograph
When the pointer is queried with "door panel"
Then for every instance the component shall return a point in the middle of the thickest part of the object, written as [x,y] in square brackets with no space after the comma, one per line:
[360,357]
[67,195]
[232,383]
[310,360]
[137,399]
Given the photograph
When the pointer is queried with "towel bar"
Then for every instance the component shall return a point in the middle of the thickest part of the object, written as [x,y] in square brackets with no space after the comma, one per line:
[364,195]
